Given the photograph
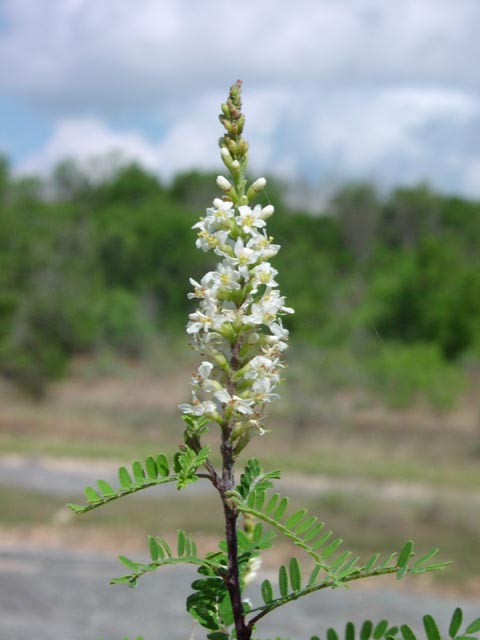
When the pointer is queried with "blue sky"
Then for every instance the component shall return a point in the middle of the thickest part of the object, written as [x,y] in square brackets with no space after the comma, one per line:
[386,90]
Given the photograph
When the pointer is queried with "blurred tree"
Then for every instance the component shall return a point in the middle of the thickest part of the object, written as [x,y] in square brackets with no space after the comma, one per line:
[131,185]
[431,294]
[69,181]
[194,189]
[357,207]
[410,214]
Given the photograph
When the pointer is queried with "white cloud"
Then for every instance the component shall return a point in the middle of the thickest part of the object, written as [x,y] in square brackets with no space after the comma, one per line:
[358,88]
[78,52]
[86,139]
[189,142]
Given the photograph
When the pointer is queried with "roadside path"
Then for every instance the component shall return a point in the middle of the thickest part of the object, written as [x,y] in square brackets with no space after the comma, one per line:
[60,594]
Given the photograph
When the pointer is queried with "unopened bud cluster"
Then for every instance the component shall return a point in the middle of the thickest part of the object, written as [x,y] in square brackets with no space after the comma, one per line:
[237,325]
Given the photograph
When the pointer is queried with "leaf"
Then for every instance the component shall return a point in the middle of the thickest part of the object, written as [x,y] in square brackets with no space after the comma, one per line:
[380,629]
[130,564]
[338,562]
[225,610]
[403,558]
[92,495]
[407,633]
[366,630]
[280,510]
[105,488]
[306,525]
[428,556]
[455,623]
[348,568]
[75,507]
[138,472]
[151,468]
[473,627]
[331,548]
[371,562]
[283,581]
[181,543]
[431,628]
[165,546]
[272,503]
[156,551]
[313,532]
[295,574]
[162,465]
[387,561]
[295,518]
[267,591]
[124,478]
[259,499]
[314,575]
[349,631]
[332,634]
[323,538]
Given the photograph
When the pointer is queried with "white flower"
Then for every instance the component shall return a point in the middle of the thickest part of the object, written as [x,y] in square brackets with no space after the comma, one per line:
[201,378]
[226,276]
[240,405]
[262,388]
[204,319]
[207,241]
[265,311]
[201,289]
[253,566]
[264,273]
[197,408]
[249,218]
[243,256]
[219,215]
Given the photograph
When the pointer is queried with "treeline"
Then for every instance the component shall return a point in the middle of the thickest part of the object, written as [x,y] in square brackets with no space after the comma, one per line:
[86,264]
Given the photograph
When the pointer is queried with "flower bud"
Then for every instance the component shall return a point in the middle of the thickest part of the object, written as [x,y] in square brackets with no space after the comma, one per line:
[223,183]
[255,187]
[221,361]
[225,109]
[259,184]
[267,211]
[232,146]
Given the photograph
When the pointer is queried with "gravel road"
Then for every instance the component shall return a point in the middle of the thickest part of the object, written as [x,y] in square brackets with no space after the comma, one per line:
[57,594]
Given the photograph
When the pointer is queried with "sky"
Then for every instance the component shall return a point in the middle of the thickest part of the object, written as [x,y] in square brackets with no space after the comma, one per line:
[334,90]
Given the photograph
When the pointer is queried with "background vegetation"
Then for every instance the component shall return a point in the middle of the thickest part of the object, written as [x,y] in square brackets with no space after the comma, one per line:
[387,284]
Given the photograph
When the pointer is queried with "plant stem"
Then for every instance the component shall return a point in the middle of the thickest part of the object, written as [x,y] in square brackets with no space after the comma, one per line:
[233,577]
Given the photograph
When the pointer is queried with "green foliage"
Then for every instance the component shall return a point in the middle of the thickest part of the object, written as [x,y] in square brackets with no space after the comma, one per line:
[431,294]
[121,322]
[154,471]
[383,630]
[333,568]
[161,555]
